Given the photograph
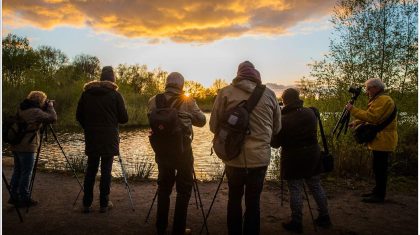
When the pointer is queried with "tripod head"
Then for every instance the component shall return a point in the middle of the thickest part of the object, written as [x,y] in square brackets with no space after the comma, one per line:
[345,115]
[355,93]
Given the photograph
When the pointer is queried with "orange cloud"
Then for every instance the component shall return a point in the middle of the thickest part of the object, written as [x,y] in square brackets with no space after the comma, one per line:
[178,20]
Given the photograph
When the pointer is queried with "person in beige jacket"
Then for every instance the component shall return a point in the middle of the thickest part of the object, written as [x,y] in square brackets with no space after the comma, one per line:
[35,111]
[247,171]
[172,167]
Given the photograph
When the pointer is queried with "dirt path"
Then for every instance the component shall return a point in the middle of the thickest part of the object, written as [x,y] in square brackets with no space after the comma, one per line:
[55,214]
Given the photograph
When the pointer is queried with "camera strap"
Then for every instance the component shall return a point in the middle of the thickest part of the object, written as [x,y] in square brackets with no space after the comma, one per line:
[321,129]
[390,118]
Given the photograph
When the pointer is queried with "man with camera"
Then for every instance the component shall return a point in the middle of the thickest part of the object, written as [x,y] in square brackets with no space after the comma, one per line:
[99,111]
[300,158]
[380,108]
[35,111]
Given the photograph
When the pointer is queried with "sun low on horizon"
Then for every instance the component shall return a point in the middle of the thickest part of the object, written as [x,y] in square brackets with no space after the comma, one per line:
[203,40]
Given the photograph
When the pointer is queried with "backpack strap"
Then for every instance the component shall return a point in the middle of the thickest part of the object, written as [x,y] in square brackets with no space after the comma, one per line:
[255,97]
[390,118]
[161,101]
[321,129]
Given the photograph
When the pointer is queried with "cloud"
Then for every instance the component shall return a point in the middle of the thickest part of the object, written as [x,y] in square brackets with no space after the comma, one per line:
[178,20]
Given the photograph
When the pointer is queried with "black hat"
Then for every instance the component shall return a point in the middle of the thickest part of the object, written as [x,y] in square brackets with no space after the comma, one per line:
[290,95]
[107,74]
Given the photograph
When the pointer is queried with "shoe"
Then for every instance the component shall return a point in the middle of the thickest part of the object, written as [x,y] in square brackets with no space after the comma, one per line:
[12,201]
[28,203]
[373,199]
[188,231]
[86,209]
[104,209]
[323,221]
[293,227]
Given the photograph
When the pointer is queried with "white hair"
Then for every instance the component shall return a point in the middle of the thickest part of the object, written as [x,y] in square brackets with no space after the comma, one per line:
[375,82]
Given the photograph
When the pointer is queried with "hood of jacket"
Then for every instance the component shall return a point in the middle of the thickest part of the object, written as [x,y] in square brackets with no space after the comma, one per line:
[27,104]
[244,84]
[100,87]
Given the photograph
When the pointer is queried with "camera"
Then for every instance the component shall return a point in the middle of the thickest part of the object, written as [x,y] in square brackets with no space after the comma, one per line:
[355,91]
[46,103]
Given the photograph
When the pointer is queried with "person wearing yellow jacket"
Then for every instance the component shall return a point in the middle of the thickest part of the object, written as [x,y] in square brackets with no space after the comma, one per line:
[380,107]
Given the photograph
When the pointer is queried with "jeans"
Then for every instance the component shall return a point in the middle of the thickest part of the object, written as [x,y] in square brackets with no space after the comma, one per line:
[252,183]
[380,169]
[22,172]
[296,202]
[105,181]
[182,174]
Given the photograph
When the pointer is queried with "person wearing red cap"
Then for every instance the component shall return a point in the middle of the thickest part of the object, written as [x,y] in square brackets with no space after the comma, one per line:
[246,172]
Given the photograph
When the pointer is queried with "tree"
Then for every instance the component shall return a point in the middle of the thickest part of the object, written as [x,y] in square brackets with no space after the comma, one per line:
[50,60]
[371,38]
[18,57]
[86,65]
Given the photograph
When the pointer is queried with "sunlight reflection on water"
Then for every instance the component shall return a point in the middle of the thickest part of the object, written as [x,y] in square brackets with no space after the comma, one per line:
[135,149]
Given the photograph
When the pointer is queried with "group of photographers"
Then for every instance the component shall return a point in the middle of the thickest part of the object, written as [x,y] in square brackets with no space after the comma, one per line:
[101,109]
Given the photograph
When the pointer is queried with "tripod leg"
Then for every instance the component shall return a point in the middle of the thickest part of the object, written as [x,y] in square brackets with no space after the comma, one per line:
[151,206]
[43,133]
[309,205]
[195,195]
[199,199]
[65,156]
[213,200]
[14,199]
[125,181]
[77,198]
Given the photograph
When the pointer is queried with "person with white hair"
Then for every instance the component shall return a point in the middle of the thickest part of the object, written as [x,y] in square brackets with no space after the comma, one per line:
[380,107]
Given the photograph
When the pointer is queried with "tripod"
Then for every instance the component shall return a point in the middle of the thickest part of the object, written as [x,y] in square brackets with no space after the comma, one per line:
[43,134]
[343,122]
[196,192]
[127,186]
[11,196]
[212,201]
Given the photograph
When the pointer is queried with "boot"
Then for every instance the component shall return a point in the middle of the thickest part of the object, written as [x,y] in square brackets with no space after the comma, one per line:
[323,221]
[293,226]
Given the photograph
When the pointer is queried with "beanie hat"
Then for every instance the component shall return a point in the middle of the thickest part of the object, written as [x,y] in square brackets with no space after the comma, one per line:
[290,95]
[176,80]
[246,70]
[107,74]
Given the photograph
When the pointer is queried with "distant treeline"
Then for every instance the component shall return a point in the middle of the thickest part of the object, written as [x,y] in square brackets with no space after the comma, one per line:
[50,70]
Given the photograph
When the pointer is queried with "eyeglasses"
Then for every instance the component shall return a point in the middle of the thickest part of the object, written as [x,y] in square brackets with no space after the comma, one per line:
[369,87]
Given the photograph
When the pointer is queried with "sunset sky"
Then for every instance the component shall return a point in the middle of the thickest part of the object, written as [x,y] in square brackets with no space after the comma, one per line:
[202,39]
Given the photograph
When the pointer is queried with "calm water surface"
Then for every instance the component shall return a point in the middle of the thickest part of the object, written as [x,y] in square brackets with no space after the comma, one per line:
[135,151]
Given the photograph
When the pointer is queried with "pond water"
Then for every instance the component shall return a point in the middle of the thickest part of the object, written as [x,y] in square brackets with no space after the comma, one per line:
[136,152]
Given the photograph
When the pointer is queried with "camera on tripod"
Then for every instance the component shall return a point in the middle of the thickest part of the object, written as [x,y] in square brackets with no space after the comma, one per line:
[345,115]
[46,103]
[355,91]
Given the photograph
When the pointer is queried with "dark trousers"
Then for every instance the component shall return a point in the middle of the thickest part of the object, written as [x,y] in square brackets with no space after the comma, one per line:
[182,174]
[105,181]
[252,183]
[22,172]
[380,169]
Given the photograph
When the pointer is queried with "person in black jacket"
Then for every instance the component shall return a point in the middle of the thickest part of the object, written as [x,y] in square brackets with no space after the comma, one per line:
[99,111]
[300,158]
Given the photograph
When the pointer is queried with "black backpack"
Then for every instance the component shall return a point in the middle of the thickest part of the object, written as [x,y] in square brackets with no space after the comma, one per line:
[234,126]
[167,136]
[14,130]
